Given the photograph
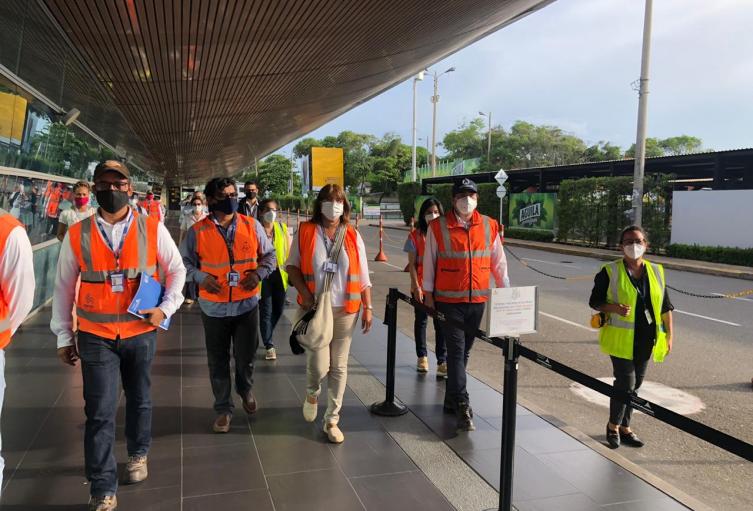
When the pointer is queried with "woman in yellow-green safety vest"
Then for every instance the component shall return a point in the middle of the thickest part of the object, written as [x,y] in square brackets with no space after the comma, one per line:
[274,286]
[631,294]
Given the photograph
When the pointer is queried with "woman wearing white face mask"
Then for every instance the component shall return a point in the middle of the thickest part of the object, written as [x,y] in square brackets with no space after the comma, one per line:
[196,213]
[415,244]
[632,295]
[307,266]
[273,288]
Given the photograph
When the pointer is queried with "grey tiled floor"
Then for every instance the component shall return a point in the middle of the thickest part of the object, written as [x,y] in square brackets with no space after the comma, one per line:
[271,461]
[553,471]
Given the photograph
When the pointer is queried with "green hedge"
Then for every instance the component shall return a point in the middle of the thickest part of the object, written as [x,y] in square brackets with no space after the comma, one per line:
[529,234]
[292,202]
[407,193]
[727,255]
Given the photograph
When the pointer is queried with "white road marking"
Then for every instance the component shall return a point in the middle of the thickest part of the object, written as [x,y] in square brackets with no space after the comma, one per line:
[572,323]
[707,317]
[675,399]
[392,265]
[550,262]
[734,298]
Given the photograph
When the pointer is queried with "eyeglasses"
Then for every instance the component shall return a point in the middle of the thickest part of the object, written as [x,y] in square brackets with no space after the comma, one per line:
[104,186]
[633,242]
[223,196]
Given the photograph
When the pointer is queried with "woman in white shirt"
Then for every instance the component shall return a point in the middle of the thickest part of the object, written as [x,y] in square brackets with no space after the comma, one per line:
[197,213]
[81,209]
[307,265]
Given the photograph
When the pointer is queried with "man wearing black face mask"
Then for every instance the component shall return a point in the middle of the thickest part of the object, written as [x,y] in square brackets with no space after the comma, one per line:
[228,254]
[249,204]
[109,251]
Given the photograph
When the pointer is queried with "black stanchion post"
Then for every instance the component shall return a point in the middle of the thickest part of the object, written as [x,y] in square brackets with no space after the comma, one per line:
[509,405]
[390,407]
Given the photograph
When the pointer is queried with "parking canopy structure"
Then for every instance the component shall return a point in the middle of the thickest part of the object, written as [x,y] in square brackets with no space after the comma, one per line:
[203,87]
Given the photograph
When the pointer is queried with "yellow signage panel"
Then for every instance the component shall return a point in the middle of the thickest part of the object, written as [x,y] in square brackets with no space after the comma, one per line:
[12,118]
[327,167]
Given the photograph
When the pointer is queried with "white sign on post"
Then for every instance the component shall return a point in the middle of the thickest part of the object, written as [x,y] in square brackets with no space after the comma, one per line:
[501,176]
[512,311]
[501,191]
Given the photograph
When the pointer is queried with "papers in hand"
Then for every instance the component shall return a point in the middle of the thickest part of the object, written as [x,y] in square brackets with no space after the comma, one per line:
[148,296]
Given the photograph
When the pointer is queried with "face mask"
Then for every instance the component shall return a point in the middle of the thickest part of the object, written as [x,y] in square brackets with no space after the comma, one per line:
[270,216]
[332,210]
[430,217]
[81,201]
[134,202]
[227,206]
[466,205]
[634,251]
[198,208]
[149,197]
[112,201]
[251,195]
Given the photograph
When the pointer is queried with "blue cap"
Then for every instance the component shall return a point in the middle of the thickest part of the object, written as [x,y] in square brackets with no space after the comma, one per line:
[464,185]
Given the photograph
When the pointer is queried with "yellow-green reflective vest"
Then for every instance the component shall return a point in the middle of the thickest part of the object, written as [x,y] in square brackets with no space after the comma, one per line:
[616,337]
[281,249]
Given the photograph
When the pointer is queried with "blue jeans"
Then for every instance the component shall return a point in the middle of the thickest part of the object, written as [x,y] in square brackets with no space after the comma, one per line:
[103,363]
[419,334]
[271,304]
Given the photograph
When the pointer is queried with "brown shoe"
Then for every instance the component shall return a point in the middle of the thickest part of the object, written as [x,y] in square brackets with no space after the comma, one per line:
[105,503]
[136,469]
[222,423]
[249,404]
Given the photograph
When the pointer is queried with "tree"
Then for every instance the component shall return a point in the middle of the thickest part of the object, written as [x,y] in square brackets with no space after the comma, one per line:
[274,174]
[602,151]
[468,141]
[653,149]
[684,144]
[303,148]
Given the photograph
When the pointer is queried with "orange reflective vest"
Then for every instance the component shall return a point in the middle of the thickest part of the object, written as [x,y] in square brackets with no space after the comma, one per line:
[419,241]
[463,258]
[7,224]
[306,244]
[54,203]
[100,310]
[214,257]
[152,208]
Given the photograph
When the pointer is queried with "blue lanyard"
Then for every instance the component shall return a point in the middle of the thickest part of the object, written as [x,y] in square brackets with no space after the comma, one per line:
[122,238]
[228,235]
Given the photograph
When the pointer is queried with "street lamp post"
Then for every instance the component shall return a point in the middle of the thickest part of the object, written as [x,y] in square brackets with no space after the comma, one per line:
[418,77]
[488,139]
[435,100]
[640,142]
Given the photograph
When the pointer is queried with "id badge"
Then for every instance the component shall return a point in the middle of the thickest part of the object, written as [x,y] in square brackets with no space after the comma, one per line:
[233,278]
[649,319]
[330,267]
[116,282]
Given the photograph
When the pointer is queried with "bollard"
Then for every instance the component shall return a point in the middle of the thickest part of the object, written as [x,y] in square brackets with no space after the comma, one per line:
[390,407]
[509,405]
[381,256]
[357,218]
[298,218]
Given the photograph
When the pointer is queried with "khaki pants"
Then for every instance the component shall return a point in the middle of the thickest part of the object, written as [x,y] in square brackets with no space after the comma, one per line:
[332,362]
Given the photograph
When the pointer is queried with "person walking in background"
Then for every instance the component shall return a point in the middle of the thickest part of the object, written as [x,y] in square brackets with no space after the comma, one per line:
[430,209]
[81,209]
[52,209]
[463,249]
[632,294]
[307,265]
[249,205]
[228,254]
[110,251]
[153,207]
[16,290]
[197,214]
[274,286]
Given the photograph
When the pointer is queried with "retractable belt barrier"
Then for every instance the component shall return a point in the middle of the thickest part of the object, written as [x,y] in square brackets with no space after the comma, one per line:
[513,349]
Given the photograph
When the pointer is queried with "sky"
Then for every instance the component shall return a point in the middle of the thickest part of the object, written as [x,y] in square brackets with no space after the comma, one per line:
[572,64]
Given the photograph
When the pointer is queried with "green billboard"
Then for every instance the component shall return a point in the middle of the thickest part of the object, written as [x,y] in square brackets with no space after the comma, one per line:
[533,210]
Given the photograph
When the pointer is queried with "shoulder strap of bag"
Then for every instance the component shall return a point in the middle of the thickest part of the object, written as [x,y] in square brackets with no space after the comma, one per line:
[334,255]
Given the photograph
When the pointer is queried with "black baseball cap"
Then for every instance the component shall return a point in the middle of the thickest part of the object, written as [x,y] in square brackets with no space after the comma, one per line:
[464,185]
[111,165]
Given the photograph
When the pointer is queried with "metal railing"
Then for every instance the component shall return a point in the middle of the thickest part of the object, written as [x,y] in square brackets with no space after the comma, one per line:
[513,350]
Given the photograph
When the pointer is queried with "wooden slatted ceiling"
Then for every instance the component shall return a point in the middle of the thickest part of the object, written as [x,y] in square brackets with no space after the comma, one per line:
[208,85]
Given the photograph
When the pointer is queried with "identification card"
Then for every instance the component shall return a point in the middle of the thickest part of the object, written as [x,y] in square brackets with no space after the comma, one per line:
[649,319]
[116,282]
[233,279]
[330,267]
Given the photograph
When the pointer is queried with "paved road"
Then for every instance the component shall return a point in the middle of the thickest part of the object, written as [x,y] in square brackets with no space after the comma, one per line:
[712,360]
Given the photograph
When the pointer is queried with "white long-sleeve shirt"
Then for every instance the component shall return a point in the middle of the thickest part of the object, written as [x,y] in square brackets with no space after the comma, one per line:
[168,259]
[17,276]
[498,262]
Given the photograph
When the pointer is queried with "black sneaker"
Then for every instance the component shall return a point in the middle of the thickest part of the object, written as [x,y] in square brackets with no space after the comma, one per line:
[630,439]
[613,438]
[464,414]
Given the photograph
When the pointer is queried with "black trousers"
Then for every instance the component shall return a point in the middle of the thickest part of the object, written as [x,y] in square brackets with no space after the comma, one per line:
[459,344]
[628,376]
[242,332]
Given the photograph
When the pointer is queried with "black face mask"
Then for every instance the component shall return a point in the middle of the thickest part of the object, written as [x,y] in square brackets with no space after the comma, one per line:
[112,201]
[251,195]
[228,206]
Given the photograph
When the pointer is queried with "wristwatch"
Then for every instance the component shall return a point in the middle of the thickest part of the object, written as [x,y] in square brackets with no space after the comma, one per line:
[369,308]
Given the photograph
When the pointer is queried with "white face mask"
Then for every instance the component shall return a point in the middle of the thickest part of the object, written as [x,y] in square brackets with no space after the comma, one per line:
[270,216]
[466,205]
[431,216]
[332,210]
[134,202]
[198,209]
[634,251]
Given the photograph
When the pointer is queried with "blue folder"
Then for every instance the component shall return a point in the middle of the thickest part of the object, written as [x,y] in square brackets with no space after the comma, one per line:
[148,296]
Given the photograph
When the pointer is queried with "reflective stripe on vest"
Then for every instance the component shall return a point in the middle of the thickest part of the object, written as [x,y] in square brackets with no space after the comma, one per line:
[7,224]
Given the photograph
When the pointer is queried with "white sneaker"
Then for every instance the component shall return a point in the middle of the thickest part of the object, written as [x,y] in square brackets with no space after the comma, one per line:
[310,410]
[334,434]
[271,354]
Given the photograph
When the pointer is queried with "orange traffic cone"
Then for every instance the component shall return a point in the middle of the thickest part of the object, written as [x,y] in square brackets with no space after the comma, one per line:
[381,256]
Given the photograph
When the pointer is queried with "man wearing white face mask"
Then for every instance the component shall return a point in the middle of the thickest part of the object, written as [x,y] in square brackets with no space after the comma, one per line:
[463,249]
[631,293]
